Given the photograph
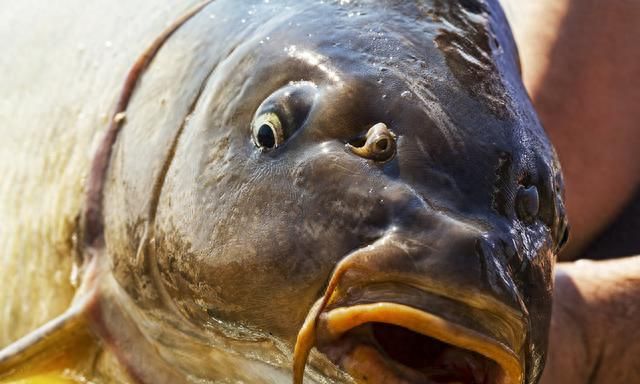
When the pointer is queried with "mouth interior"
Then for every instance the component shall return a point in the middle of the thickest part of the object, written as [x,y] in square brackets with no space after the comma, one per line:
[386,353]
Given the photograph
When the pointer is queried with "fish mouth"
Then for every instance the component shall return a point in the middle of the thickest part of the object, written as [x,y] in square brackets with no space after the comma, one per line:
[397,334]
[394,343]
[383,321]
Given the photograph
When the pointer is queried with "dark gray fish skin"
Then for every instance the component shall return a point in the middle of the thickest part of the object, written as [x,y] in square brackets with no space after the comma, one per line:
[210,228]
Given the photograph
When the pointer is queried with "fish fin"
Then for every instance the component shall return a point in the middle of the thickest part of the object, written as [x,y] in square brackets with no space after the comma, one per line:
[53,348]
[101,319]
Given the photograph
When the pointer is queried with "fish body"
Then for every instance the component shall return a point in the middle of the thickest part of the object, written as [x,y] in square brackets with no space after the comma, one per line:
[283,191]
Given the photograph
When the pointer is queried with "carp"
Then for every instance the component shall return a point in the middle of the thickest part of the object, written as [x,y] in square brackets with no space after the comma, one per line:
[275,191]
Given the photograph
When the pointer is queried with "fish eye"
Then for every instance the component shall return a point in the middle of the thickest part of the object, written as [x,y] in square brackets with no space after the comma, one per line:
[527,203]
[282,113]
[267,131]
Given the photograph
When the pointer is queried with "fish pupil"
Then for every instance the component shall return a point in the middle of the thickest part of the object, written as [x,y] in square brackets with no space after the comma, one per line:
[266,137]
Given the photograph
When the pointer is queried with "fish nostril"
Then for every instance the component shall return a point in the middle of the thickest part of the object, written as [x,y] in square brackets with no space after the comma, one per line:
[382,144]
[378,145]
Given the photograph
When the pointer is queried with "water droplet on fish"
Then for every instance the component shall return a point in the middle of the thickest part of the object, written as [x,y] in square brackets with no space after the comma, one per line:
[405,94]
[384,96]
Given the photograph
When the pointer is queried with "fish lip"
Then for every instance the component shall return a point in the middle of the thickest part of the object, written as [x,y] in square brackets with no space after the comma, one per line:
[507,347]
[339,321]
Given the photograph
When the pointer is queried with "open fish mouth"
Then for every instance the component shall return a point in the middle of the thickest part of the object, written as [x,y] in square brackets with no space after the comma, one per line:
[394,343]
[397,342]
[381,324]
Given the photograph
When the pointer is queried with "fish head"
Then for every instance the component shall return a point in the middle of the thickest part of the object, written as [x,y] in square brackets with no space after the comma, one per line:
[372,182]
